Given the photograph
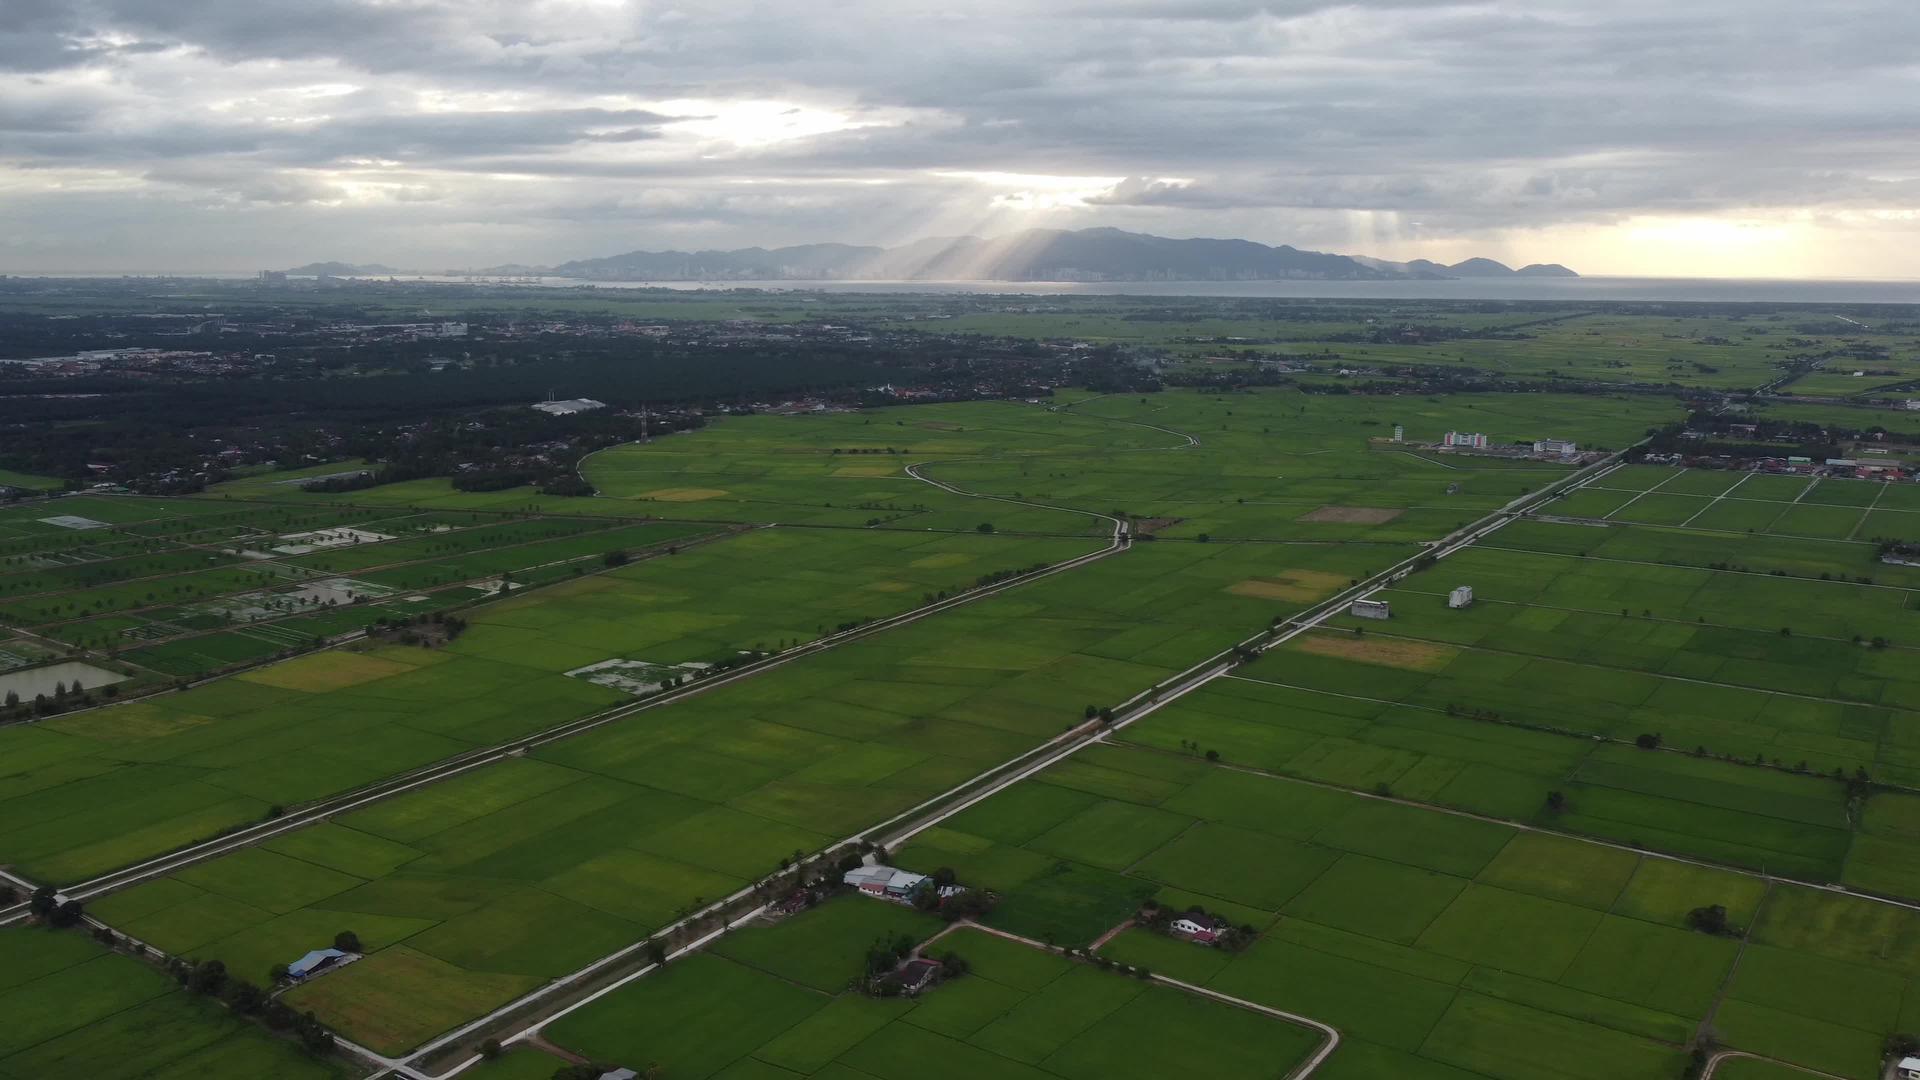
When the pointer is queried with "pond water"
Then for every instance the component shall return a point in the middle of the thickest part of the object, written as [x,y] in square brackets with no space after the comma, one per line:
[41,680]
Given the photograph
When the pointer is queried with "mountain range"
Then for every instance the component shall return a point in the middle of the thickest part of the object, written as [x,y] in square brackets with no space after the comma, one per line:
[1032,255]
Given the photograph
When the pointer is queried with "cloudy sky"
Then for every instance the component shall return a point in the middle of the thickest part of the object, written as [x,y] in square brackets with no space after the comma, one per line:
[1664,137]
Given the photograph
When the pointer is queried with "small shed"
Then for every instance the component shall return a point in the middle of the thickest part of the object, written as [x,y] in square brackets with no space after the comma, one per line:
[1908,1068]
[620,1074]
[1460,597]
[316,961]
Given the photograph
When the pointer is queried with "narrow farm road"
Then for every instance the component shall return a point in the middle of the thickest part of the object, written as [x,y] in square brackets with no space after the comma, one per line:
[1327,1046]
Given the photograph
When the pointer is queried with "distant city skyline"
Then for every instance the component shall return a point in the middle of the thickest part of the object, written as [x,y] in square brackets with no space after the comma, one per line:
[1635,138]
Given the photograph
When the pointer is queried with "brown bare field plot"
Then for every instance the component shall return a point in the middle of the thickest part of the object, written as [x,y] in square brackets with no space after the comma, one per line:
[1372,649]
[1350,515]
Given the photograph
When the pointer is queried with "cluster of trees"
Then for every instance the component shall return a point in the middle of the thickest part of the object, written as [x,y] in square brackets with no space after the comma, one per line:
[998,576]
[883,957]
[969,904]
[46,905]
[1159,918]
[1712,919]
[1104,963]
[1193,747]
[210,978]
[12,707]
[427,629]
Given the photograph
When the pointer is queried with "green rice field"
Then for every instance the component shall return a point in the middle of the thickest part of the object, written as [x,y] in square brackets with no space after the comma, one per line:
[749,1009]
[1472,839]
[1439,944]
[480,887]
[74,1008]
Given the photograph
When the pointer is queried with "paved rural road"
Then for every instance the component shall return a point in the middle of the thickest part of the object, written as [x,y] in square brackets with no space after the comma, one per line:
[1191,441]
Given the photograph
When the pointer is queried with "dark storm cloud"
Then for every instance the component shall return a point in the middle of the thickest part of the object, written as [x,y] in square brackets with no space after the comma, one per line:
[1277,116]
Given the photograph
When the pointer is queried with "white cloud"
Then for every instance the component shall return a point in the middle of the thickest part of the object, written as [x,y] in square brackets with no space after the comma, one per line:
[244,132]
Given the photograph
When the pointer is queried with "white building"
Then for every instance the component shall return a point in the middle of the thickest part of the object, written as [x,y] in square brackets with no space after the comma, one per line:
[1399,433]
[1908,1068]
[883,881]
[1555,446]
[1460,597]
[570,406]
[1469,439]
[1372,609]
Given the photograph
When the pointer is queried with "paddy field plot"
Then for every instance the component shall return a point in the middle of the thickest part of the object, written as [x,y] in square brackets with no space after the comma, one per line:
[75,1009]
[1285,465]
[1745,503]
[849,468]
[190,594]
[1703,351]
[1270,464]
[184,766]
[1436,942]
[530,868]
[1018,1012]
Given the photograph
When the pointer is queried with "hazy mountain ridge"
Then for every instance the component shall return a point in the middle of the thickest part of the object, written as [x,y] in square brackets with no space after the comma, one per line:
[340,269]
[1100,254]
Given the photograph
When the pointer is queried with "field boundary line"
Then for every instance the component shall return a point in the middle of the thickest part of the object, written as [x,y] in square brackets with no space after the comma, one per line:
[1644,494]
[1868,512]
[1523,826]
[1306,1068]
[1705,1026]
[1729,570]
[1715,501]
[1898,709]
[1723,1056]
[1643,618]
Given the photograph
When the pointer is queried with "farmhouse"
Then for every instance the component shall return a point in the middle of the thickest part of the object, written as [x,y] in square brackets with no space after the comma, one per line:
[918,975]
[1193,930]
[1908,1068]
[1372,609]
[314,962]
[1460,597]
[884,881]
